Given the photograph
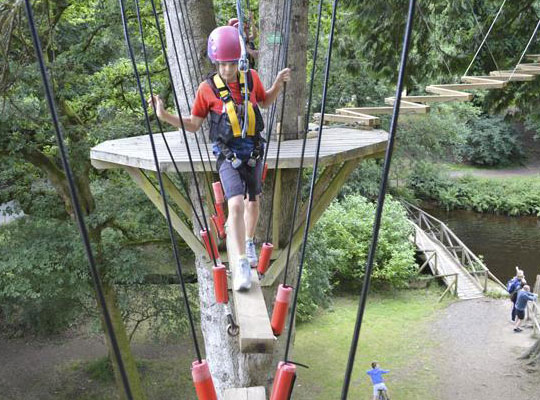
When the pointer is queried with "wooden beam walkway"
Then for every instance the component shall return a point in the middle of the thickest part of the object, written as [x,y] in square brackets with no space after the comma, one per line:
[366,117]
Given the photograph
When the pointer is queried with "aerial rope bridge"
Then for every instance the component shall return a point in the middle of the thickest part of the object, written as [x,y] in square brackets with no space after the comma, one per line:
[154,157]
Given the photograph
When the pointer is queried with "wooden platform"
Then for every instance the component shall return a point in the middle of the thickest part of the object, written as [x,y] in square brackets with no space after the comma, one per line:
[338,145]
[251,393]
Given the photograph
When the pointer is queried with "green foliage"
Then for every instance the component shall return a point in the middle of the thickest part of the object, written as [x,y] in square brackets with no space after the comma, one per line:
[510,196]
[338,247]
[364,181]
[43,277]
[491,141]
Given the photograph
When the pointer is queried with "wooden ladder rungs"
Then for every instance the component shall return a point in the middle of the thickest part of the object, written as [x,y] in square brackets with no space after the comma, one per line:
[250,393]
[433,98]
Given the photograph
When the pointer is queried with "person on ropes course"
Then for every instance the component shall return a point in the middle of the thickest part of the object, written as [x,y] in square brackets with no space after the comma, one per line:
[239,159]
[376,375]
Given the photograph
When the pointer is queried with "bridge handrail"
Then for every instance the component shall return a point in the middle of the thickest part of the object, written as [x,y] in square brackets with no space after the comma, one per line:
[473,278]
[470,255]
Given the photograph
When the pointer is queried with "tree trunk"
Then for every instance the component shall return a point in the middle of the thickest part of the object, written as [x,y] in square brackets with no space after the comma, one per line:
[125,349]
[229,367]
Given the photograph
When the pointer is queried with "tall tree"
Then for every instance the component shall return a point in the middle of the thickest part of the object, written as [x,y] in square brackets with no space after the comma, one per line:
[230,367]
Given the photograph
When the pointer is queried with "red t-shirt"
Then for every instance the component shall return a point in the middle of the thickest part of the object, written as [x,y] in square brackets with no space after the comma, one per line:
[206,100]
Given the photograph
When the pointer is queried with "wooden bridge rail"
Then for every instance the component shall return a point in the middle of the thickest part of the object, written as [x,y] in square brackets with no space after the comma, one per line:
[453,286]
[439,231]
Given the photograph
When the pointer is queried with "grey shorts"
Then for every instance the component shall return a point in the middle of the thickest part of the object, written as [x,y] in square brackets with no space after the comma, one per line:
[232,183]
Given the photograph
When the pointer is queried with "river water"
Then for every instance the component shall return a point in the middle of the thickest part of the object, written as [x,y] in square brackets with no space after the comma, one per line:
[503,241]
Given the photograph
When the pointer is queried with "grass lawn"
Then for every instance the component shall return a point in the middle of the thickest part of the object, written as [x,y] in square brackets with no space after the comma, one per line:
[395,333]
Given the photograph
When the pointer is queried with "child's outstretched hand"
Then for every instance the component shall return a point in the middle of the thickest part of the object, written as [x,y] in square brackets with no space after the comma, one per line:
[157,105]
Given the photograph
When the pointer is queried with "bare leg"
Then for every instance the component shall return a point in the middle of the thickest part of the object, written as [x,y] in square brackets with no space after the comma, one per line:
[251,216]
[236,224]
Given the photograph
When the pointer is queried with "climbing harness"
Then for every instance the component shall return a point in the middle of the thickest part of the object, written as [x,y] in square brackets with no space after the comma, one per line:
[380,200]
[225,127]
[76,204]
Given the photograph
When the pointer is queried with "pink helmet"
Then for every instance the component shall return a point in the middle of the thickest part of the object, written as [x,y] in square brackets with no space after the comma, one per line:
[224,44]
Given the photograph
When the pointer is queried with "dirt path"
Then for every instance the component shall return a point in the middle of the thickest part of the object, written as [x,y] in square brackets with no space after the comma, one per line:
[38,369]
[478,353]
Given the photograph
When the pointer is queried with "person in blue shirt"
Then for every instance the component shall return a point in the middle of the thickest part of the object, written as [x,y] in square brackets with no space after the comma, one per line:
[523,297]
[513,286]
[376,375]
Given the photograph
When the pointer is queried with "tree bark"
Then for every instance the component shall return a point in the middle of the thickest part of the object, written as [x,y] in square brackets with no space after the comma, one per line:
[125,349]
[231,368]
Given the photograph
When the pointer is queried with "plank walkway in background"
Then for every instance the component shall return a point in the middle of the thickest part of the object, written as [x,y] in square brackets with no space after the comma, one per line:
[467,286]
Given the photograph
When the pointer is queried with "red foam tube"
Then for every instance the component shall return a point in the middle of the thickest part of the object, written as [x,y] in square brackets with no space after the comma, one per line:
[281,308]
[218,192]
[221,213]
[220,284]
[264,172]
[202,379]
[220,228]
[264,257]
[207,238]
[283,381]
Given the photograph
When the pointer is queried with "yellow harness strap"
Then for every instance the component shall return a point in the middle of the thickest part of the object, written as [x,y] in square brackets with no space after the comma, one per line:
[228,101]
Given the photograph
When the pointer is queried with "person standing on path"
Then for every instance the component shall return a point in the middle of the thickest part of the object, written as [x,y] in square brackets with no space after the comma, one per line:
[376,375]
[513,286]
[239,156]
[523,297]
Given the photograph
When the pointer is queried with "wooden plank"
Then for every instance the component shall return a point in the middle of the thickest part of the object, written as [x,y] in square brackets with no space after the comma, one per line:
[434,98]
[406,108]
[251,393]
[442,89]
[155,197]
[517,77]
[348,119]
[177,196]
[337,143]
[256,334]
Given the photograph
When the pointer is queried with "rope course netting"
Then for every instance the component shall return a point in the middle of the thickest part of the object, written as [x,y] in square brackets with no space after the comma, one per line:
[287,295]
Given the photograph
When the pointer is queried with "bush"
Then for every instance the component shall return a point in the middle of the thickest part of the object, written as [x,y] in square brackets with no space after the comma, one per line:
[338,247]
[491,142]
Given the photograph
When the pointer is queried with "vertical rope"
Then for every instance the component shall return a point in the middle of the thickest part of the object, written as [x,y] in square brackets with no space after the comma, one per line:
[161,185]
[76,204]
[485,38]
[280,138]
[525,51]
[304,141]
[380,201]
[313,179]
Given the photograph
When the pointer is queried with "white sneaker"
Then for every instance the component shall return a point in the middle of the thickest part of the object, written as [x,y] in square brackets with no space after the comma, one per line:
[242,276]
[251,253]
